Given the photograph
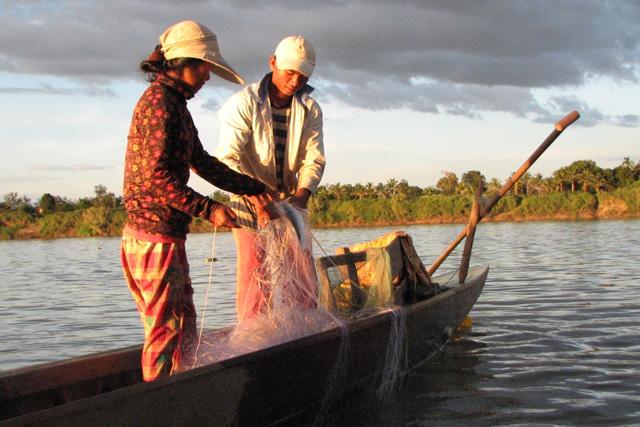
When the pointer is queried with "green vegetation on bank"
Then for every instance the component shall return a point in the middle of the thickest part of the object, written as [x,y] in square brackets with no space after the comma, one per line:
[580,190]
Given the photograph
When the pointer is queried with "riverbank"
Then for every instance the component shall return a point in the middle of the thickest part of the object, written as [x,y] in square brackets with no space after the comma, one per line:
[580,191]
[32,231]
[499,218]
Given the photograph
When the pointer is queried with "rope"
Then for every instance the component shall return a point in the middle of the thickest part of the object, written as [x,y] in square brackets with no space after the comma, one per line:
[206,296]
[333,264]
[322,249]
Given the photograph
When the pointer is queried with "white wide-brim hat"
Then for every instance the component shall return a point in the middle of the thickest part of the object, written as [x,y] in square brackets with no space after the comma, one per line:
[190,39]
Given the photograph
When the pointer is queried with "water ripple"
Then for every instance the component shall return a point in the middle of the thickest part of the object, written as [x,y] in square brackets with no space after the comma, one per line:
[555,341]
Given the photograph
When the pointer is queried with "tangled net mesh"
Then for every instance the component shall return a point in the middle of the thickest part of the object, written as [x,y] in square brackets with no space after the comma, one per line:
[288,281]
[294,307]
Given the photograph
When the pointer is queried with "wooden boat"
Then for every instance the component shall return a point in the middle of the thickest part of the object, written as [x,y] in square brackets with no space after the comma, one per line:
[293,382]
[286,383]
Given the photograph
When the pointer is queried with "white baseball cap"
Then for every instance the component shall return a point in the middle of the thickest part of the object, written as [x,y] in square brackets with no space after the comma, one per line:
[295,53]
[190,39]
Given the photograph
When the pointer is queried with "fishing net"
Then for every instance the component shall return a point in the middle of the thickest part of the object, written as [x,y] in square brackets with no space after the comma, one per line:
[378,273]
[361,281]
[287,279]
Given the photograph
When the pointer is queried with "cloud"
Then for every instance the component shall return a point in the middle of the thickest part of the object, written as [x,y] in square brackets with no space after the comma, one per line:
[434,96]
[628,120]
[216,99]
[12,179]
[557,106]
[436,56]
[46,89]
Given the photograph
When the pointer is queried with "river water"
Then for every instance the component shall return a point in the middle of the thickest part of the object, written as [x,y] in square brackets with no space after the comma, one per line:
[555,337]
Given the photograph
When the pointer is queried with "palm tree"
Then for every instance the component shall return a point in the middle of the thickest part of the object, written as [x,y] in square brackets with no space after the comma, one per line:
[336,191]
[390,187]
[370,190]
[401,190]
[551,185]
[585,171]
[359,191]
[572,176]
[562,177]
[494,185]
[523,182]
[626,172]
[323,193]
[536,184]
[604,179]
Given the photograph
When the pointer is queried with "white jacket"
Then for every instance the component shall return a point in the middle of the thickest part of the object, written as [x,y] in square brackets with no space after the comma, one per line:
[247,144]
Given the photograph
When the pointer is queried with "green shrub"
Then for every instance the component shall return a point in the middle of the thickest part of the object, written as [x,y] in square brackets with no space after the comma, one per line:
[200,225]
[94,221]
[59,224]
[548,205]
[438,205]
[506,204]
[8,233]
[118,217]
[12,222]
[631,196]
[16,218]
[376,211]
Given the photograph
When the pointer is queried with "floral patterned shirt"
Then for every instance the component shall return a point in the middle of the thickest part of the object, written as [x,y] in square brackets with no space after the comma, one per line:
[163,145]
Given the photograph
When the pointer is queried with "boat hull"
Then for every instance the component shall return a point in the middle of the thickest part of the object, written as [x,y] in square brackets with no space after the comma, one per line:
[298,380]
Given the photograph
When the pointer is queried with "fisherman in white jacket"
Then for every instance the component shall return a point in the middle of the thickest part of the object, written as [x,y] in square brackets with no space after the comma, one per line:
[272,131]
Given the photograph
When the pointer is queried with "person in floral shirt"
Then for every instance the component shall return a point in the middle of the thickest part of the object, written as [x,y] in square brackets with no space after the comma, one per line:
[163,146]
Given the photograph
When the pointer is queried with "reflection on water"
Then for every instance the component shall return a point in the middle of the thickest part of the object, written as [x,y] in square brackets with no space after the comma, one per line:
[556,335]
[555,339]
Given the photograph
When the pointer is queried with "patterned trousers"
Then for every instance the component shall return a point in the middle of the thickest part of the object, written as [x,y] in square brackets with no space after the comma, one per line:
[158,277]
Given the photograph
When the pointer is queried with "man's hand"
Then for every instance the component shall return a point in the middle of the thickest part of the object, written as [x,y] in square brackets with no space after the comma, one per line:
[301,198]
[262,204]
[223,216]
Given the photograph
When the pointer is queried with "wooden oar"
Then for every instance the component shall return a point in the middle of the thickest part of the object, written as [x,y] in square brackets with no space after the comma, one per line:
[474,218]
[558,129]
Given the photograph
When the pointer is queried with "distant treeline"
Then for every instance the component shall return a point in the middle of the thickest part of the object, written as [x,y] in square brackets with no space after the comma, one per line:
[580,190]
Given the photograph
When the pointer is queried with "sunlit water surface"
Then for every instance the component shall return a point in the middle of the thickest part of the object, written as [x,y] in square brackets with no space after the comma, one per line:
[555,337]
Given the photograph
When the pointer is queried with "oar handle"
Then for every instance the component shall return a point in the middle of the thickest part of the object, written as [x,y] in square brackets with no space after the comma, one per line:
[558,128]
[510,182]
[567,120]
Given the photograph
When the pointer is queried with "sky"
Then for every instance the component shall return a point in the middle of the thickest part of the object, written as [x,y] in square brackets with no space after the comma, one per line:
[408,89]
